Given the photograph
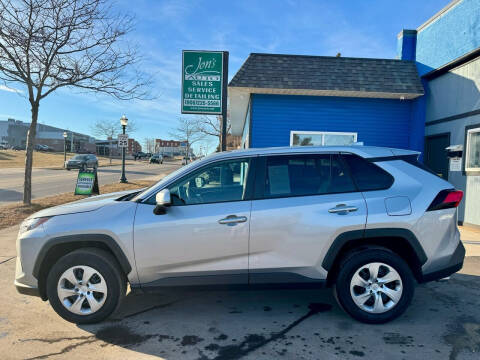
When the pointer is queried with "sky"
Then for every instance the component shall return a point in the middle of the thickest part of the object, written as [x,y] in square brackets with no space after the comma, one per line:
[355,28]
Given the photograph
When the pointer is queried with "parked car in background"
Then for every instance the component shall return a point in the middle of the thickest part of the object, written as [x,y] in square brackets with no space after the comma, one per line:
[140,155]
[294,216]
[156,159]
[82,162]
[40,147]
[3,147]
[18,147]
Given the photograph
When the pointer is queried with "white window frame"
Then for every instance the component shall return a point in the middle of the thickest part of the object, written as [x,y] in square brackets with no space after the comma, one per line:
[323,133]
[467,156]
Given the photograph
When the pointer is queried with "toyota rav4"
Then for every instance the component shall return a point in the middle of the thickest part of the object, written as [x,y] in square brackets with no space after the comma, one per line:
[370,222]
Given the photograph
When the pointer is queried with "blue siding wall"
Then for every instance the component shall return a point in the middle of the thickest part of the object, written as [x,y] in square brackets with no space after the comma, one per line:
[452,35]
[378,122]
[406,45]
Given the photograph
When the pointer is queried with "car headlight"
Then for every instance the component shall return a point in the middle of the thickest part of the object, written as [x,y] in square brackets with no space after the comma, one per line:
[31,224]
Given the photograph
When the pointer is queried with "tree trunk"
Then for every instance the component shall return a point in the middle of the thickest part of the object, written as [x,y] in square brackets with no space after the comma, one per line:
[31,134]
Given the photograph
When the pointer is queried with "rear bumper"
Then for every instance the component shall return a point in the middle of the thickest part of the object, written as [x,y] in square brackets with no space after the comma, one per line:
[454,264]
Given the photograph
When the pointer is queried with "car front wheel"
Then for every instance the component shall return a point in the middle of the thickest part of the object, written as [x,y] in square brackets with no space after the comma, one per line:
[374,285]
[86,286]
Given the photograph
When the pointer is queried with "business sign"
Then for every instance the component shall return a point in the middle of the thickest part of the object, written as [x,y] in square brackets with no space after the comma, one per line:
[202,82]
[456,164]
[87,183]
[123,140]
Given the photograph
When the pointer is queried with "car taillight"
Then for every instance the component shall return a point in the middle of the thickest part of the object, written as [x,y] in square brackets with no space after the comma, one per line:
[446,199]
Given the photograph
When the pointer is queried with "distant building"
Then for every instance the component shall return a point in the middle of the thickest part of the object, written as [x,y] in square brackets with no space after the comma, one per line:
[133,146]
[110,146]
[14,133]
[170,147]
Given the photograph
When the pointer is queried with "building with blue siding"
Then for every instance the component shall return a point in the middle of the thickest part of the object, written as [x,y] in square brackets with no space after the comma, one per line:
[278,100]
[428,99]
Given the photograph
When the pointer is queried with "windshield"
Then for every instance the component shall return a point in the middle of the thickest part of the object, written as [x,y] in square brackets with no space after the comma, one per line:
[79,157]
[166,179]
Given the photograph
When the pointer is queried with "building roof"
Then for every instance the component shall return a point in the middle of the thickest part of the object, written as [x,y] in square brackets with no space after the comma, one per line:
[331,74]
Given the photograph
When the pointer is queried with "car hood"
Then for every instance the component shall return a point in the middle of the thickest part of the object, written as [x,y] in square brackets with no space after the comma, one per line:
[84,205]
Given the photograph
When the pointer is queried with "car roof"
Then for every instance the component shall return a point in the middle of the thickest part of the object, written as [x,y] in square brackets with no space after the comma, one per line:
[360,150]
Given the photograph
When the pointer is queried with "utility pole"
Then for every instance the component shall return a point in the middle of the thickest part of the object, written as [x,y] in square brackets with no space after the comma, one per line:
[223,137]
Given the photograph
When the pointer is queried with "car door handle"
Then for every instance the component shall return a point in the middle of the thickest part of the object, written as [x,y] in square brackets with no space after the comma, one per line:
[342,209]
[232,219]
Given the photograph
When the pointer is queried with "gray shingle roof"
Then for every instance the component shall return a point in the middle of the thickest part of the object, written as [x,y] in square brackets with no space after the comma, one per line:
[275,71]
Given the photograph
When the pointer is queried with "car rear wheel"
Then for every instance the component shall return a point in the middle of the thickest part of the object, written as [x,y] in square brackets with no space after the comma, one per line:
[86,286]
[374,285]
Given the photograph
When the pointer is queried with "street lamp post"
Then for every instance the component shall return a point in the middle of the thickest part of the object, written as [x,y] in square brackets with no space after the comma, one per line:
[123,122]
[64,148]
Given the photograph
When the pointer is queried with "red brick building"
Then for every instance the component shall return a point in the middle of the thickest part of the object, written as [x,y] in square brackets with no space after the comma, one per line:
[133,146]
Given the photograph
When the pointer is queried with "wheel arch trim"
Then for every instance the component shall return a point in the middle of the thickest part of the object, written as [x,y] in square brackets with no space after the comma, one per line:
[82,238]
[361,235]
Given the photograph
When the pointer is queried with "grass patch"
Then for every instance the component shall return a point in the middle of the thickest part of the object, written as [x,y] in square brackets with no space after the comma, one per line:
[16,159]
[15,213]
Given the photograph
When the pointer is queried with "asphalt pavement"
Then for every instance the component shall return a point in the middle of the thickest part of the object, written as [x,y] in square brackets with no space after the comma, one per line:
[47,182]
[443,322]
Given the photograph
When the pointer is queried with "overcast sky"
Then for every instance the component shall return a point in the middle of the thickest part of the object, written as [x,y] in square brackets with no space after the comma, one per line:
[355,28]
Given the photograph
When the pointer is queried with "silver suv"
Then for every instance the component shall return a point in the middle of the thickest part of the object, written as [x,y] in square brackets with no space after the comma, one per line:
[370,222]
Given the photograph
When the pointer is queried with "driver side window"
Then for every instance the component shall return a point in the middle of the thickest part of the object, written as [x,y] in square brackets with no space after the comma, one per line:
[218,182]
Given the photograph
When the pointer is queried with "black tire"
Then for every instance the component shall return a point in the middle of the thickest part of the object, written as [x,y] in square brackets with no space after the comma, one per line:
[106,265]
[354,261]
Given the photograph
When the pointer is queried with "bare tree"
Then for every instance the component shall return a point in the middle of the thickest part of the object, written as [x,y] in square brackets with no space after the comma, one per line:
[46,45]
[212,126]
[187,130]
[110,129]
[149,144]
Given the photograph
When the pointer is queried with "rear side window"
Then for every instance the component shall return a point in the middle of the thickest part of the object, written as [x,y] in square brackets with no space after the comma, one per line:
[302,175]
[367,175]
[413,160]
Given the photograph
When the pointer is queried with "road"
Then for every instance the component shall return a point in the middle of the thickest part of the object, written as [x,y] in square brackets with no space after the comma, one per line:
[48,182]
[443,322]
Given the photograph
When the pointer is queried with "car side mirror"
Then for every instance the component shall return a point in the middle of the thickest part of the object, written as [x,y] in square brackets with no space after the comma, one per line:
[163,201]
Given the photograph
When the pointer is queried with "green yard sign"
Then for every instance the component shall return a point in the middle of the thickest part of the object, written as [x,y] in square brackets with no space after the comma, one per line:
[202,82]
[87,183]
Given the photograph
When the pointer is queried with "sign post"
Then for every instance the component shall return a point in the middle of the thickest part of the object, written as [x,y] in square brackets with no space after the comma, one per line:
[204,85]
[87,183]
[122,140]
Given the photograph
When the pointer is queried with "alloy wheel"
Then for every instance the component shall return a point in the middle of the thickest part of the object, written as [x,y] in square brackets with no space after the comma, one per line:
[376,287]
[82,290]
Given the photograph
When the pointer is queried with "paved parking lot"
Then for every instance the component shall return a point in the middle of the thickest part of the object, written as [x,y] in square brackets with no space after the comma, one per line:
[443,322]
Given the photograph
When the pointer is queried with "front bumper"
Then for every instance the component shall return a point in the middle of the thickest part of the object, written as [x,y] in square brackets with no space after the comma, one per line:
[454,264]
[73,166]
[26,289]
[25,284]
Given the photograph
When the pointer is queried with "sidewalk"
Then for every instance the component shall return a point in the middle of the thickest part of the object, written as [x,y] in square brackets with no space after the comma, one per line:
[471,239]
